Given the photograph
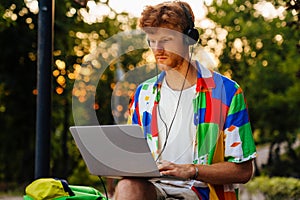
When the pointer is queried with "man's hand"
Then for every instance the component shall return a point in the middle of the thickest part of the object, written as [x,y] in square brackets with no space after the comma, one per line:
[185,171]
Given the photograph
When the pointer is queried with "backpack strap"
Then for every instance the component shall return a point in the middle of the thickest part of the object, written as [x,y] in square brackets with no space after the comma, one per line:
[66,187]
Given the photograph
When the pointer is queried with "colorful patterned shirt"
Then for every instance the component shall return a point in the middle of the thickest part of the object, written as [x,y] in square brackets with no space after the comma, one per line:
[221,118]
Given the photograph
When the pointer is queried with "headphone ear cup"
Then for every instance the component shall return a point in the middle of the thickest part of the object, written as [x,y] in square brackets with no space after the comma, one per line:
[192,36]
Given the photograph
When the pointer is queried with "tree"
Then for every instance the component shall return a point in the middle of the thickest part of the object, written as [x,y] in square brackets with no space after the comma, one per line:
[260,53]
[264,49]
[73,38]
[17,99]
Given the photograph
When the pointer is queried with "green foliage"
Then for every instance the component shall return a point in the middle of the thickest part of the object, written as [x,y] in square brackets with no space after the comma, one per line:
[275,188]
[81,176]
[262,54]
[17,101]
[267,67]
[73,39]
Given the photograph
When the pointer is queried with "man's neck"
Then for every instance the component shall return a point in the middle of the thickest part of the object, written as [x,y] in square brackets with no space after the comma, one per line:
[176,77]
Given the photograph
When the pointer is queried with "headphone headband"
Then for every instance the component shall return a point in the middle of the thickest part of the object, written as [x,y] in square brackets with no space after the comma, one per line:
[190,31]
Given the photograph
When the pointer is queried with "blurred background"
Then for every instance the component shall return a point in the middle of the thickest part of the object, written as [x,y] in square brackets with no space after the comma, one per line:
[256,43]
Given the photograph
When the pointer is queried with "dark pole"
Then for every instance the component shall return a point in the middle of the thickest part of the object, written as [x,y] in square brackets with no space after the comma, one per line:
[44,71]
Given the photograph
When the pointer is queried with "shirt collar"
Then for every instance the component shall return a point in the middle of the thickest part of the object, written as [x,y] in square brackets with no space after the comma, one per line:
[204,78]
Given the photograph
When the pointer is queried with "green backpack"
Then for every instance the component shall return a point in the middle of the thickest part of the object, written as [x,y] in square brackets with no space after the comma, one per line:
[58,189]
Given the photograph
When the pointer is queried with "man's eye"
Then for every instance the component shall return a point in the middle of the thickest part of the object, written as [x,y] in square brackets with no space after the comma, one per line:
[166,40]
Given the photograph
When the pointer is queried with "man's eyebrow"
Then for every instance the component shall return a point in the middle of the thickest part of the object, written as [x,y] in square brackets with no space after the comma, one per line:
[167,37]
[161,38]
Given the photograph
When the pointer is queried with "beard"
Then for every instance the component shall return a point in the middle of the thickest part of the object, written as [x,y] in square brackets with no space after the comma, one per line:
[167,61]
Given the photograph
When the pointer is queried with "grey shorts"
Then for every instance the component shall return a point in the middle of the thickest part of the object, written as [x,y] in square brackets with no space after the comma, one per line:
[169,192]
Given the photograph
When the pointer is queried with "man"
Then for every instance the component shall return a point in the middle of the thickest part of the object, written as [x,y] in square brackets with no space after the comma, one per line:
[195,120]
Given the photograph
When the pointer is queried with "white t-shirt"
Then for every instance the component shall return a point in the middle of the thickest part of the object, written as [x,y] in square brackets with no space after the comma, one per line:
[179,146]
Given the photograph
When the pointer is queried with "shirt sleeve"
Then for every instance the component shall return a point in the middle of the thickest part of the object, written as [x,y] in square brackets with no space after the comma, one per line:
[134,115]
[239,142]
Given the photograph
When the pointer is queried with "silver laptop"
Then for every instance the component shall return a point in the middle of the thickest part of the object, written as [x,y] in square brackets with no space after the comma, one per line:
[115,151]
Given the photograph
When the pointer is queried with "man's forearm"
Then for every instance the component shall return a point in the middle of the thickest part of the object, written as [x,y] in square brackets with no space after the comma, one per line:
[225,172]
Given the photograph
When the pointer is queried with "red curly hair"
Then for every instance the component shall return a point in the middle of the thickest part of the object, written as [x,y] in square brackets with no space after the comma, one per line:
[168,14]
